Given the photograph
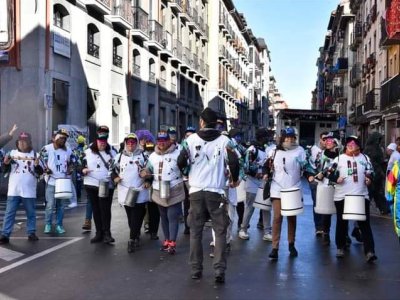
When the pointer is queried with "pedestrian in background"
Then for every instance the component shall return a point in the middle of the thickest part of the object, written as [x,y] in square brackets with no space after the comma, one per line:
[373,149]
[208,153]
[22,165]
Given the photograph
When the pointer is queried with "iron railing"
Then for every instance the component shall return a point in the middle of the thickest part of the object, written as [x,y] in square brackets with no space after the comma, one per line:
[140,20]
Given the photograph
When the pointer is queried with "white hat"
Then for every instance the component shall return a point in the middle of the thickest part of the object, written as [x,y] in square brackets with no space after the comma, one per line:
[392,146]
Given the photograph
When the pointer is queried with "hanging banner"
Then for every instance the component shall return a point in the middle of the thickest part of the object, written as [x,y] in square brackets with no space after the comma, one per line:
[393,20]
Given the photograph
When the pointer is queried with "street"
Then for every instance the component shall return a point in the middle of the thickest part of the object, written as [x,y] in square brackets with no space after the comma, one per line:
[69,267]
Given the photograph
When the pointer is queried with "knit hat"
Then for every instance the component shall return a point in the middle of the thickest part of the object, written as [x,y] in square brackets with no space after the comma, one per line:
[24,136]
[353,138]
[392,146]
[209,116]
[81,139]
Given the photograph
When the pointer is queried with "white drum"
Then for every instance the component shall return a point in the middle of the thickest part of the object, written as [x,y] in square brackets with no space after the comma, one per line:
[259,201]
[324,202]
[291,202]
[63,188]
[241,191]
[354,208]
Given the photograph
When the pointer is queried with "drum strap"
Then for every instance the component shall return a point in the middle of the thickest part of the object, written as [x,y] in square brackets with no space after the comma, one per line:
[106,164]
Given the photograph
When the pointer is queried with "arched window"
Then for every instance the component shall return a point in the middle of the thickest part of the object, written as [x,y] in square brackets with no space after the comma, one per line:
[152,71]
[117,53]
[136,62]
[61,17]
[173,82]
[93,41]
[163,76]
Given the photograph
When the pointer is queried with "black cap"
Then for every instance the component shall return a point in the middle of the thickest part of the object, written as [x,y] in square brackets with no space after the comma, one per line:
[261,133]
[353,138]
[209,116]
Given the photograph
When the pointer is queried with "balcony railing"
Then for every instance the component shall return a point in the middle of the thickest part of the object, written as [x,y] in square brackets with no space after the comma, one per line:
[93,50]
[339,93]
[124,10]
[177,49]
[355,75]
[370,101]
[390,92]
[140,20]
[195,64]
[156,31]
[152,77]
[360,110]
[186,56]
[136,70]
[117,61]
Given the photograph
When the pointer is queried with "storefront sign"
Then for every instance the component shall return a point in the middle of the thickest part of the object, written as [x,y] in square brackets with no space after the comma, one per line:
[61,42]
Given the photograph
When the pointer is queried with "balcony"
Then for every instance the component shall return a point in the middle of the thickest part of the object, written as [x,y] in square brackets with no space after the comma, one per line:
[176,5]
[117,61]
[101,6]
[390,92]
[186,58]
[122,14]
[140,24]
[371,62]
[339,93]
[156,36]
[342,65]
[152,77]
[168,45]
[356,36]
[176,51]
[93,50]
[370,103]
[223,22]
[186,11]
[136,70]
[193,22]
[355,76]
[359,110]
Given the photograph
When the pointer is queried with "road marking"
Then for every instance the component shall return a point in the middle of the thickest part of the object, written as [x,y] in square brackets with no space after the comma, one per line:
[40,254]
[5,297]
[7,254]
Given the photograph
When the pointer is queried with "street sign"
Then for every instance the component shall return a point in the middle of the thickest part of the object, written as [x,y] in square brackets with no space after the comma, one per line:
[48,101]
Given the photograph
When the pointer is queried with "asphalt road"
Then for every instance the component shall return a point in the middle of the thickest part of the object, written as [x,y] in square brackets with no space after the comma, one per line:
[69,267]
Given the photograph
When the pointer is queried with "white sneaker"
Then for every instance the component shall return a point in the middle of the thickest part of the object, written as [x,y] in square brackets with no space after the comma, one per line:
[267,237]
[73,204]
[243,235]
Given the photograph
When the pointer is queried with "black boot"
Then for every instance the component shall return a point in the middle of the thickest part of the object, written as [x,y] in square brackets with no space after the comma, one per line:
[98,238]
[136,243]
[292,250]
[356,233]
[108,238]
[131,247]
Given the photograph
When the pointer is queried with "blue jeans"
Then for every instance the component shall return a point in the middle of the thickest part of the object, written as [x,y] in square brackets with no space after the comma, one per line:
[89,210]
[13,203]
[50,203]
[170,220]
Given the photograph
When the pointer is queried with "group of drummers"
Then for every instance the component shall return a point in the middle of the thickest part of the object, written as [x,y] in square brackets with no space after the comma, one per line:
[158,177]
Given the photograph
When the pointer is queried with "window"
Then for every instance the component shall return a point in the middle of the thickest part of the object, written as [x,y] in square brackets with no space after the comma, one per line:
[163,74]
[93,40]
[61,17]
[152,71]
[117,53]
[136,62]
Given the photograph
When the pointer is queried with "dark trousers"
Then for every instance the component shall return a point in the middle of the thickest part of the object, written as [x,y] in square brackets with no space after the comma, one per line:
[154,217]
[203,205]
[135,219]
[317,217]
[101,209]
[377,192]
[326,223]
[186,206]
[240,212]
[342,228]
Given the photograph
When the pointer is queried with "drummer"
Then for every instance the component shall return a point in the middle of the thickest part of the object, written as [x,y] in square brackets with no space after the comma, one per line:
[95,169]
[326,175]
[355,171]
[162,166]
[286,164]
[126,168]
[58,161]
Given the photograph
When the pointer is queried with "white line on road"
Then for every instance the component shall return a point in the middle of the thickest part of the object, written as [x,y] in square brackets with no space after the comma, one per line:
[40,254]
[7,254]
[5,297]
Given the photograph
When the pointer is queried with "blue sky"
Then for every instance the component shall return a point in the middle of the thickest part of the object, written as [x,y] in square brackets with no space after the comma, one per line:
[294,30]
